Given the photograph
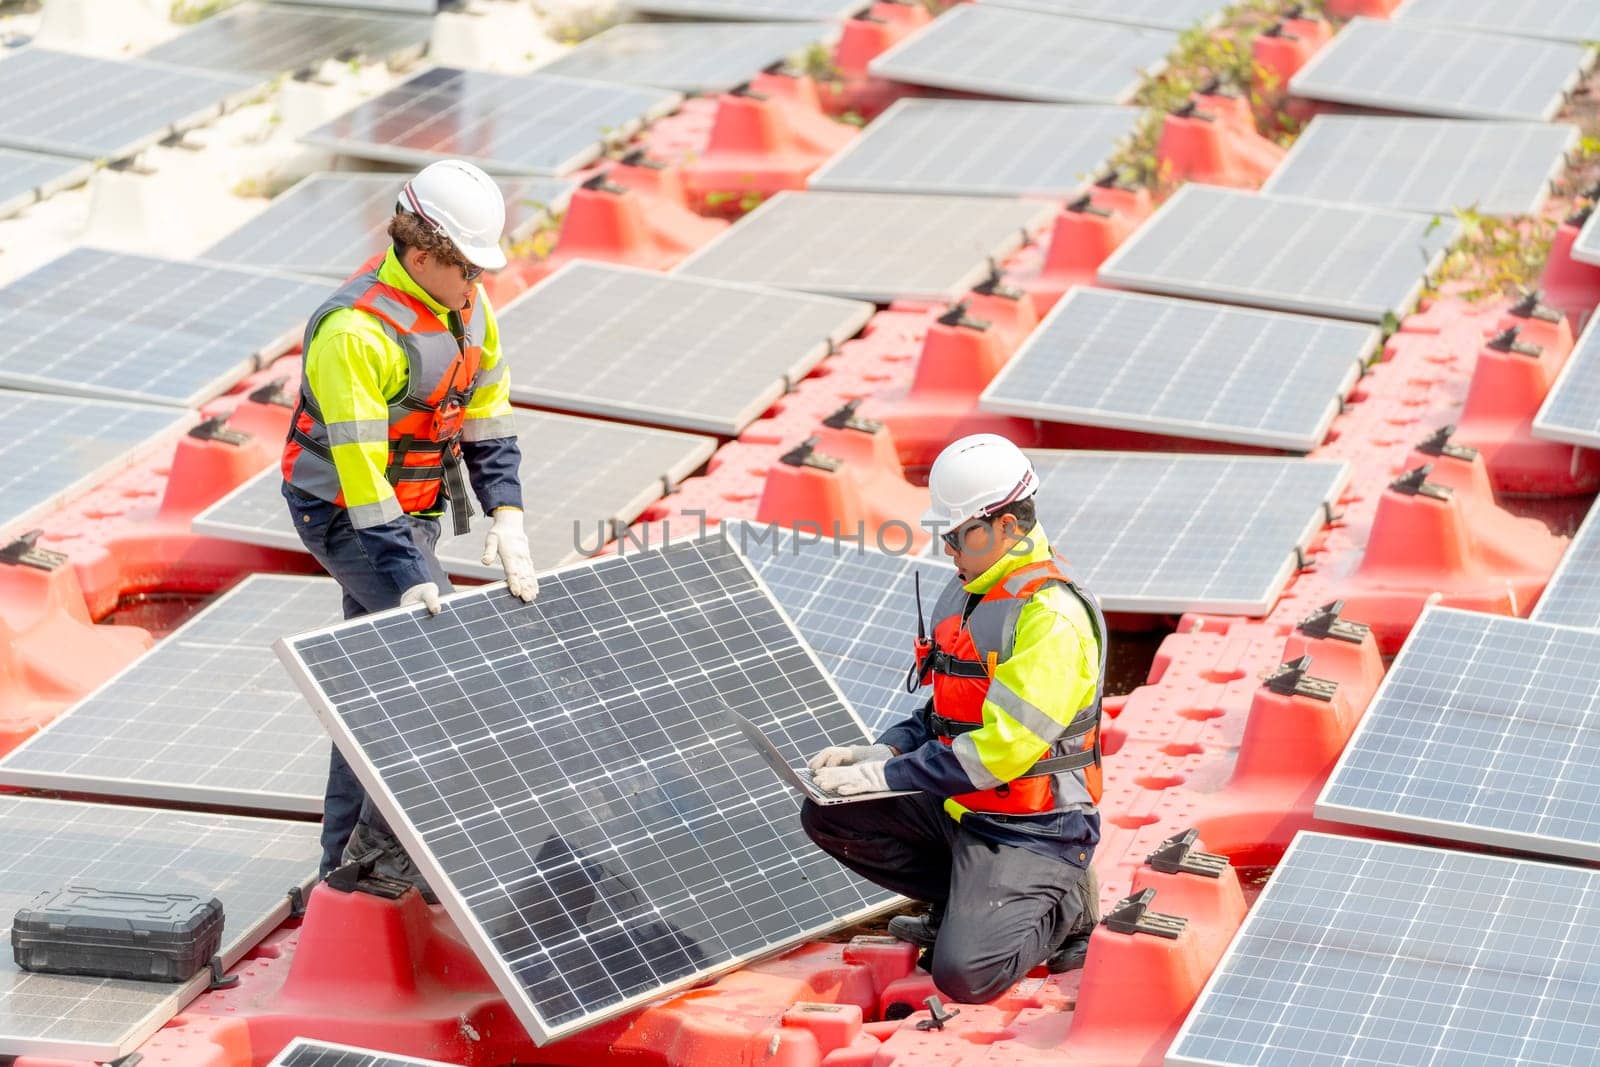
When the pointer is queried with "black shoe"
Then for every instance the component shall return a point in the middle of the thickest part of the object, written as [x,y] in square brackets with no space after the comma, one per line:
[1070,956]
[919,930]
[393,863]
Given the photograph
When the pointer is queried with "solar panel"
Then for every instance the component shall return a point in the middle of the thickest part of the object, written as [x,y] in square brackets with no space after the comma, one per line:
[94,323]
[868,246]
[691,57]
[413,7]
[506,123]
[85,440]
[855,607]
[581,477]
[1282,253]
[1004,52]
[1571,410]
[74,105]
[29,176]
[1157,365]
[205,717]
[695,355]
[1428,165]
[751,10]
[1573,596]
[1486,729]
[1586,249]
[302,1052]
[1398,66]
[1160,533]
[979,148]
[1161,14]
[331,223]
[248,864]
[1556,20]
[1361,953]
[268,40]
[564,776]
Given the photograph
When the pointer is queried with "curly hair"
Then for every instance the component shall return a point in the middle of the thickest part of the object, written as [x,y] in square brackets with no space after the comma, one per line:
[407,230]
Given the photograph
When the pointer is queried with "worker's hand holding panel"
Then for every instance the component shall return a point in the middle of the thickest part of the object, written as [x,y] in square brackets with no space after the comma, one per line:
[507,544]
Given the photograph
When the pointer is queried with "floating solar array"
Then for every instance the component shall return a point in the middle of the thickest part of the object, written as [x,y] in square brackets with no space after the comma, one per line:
[74,105]
[691,57]
[1407,67]
[856,608]
[979,148]
[583,479]
[1557,20]
[1282,253]
[1571,410]
[1166,533]
[29,176]
[302,1052]
[696,355]
[270,39]
[108,324]
[563,774]
[1158,365]
[331,223]
[85,441]
[411,7]
[1427,165]
[507,124]
[867,246]
[1365,953]
[1586,249]
[1001,51]
[1487,730]
[1161,14]
[1573,596]
[751,10]
[207,716]
[249,864]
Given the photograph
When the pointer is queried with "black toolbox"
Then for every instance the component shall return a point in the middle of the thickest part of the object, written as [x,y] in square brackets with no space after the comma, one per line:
[110,933]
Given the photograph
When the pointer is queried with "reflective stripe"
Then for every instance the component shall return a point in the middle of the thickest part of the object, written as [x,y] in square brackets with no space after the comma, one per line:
[966,750]
[1028,716]
[490,428]
[359,432]
[492,377]
[364,515]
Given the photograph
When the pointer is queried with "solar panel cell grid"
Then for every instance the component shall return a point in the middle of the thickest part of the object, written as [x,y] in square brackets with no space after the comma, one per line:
[1573,596]
[689,57]
[270,39]
[753,10]
[1162,14]
[1571,410]
[1556,20]
[305,1053]
[29,176]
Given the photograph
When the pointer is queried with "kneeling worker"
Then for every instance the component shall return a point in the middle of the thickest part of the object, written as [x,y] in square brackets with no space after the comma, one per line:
[1005,757]
[404,400]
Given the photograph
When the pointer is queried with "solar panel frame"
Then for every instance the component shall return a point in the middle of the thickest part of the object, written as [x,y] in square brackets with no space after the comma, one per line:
[88,440]
[194,316]
[1049,58]
[1372,952]
[268,39]
[1586,248]
[307,1052]
[255,513]
[291,651]
[1156,14]
[180,100]
[505,100]
[750,10]
[1333,358]
[1194,224]
[1570,412]
[1441,749]
[1553,20]
[1572,597]
[1517,78]
[1388,162]
[687,57]
[588,313]
[745,251]
[28,177]
[171,850]
[305,219]
[150,732]
[950,144]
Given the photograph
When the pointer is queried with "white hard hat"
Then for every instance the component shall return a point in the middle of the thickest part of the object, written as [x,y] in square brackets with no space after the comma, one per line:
[976,477]
[462,202]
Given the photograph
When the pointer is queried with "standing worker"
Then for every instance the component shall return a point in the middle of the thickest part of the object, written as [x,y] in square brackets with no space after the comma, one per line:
[404,399]
[1005,759]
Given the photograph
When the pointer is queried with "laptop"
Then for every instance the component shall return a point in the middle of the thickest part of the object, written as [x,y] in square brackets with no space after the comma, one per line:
[798,778]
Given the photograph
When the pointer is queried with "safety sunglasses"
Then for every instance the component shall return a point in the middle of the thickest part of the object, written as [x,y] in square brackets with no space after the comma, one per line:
[957,538]
[470,272]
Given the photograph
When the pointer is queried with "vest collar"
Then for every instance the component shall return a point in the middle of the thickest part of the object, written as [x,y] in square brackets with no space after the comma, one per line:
[1009,563]
[392,272]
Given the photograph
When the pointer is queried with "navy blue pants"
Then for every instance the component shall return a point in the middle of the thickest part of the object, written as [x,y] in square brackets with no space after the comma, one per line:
[326,531]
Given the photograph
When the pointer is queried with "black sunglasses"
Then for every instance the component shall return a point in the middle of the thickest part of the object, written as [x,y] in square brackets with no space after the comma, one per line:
[955,538]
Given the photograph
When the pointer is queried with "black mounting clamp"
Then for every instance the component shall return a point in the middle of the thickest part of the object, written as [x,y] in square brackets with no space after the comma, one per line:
[1132,915]
[1177,855]
[805,454]
[216,429]
[274,393]
[937,1015]
[1415,482]
[357,876]
[994,285]
[743,89]
[132,1059]
[1085,205]
[220,978]
[1438,444]
[1293,679]
[845,418]
[1579,217]
[1506,341]
[600,183]
[1532,306]
[640,158]
[25,552]
[297,902]
[1325,623]
[957,316]
[1191,110]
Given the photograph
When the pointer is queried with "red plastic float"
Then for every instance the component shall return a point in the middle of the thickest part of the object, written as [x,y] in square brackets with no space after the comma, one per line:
[1213,139]
[861,40]
[1283,49]
[1084,235]
[616,223]
[1572,286]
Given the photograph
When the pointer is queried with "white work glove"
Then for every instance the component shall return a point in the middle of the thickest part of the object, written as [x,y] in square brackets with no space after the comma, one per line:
[427,593]
[851,779]
[845,755]
[508,543]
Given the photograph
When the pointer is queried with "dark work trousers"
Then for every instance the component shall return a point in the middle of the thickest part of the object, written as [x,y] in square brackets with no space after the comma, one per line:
[1006,909]
[326,531]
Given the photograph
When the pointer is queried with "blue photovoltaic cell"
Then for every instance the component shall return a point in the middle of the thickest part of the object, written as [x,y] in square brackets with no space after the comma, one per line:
[302,1052]
[29,176]
[1573,596]
[1571,410]
[1371,954]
